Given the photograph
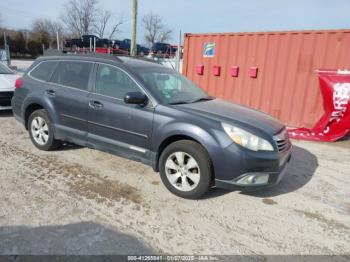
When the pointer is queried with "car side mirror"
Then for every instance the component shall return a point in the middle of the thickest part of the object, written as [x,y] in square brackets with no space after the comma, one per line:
[135,98]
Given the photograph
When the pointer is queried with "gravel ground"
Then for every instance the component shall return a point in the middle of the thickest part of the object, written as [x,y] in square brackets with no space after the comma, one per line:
[82,201]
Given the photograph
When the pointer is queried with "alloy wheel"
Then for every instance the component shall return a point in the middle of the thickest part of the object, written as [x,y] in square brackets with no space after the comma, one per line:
[40,130]
[182,171]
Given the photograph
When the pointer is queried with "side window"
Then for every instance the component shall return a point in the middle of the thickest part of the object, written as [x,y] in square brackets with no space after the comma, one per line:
[73,73]
[44,70]
[113,82]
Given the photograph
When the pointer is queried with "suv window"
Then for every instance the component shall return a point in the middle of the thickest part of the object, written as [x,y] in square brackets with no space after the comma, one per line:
[111,81]
[73,73]
[44,70]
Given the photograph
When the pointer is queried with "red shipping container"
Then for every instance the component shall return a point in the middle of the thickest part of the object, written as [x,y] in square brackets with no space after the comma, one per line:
[286,85]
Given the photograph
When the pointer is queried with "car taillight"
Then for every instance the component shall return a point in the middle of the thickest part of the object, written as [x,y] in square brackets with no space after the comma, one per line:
[19,83]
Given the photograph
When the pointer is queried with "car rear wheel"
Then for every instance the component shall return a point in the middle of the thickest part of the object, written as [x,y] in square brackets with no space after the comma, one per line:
[186,169]
[41,131]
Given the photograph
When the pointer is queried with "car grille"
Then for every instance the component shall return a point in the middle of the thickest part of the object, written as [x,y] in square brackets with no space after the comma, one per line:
[5,98]
[282,140]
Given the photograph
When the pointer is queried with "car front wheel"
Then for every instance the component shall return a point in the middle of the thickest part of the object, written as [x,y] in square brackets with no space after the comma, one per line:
[186,169]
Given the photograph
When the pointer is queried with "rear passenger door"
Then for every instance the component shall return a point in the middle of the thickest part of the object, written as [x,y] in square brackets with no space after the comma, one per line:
[69,88]
[113,124]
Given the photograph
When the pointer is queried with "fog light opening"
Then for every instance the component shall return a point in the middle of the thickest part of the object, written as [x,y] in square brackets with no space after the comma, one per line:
[254,179]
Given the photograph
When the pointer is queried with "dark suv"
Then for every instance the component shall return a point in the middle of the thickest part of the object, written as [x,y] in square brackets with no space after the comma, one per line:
[149,113]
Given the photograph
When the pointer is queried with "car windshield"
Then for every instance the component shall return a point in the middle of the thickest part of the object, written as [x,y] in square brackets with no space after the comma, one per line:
[171,87]
[4,69]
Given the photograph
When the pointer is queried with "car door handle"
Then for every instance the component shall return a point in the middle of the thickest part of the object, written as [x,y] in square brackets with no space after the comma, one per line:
[95,104]
[51,92]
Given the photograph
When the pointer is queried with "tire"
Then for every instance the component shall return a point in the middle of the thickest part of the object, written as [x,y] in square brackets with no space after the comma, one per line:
[41,131]
[193,177]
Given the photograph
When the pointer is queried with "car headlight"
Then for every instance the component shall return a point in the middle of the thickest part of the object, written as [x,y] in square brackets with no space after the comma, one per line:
[246,139]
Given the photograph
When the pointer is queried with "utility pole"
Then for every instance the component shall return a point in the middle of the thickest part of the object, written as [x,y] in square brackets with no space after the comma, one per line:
[58,41]
[5,39]
[7,50]
[178,53]
[27,38]
[133,46]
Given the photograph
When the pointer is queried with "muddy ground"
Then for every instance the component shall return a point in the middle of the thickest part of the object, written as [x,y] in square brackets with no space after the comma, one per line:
[81,201]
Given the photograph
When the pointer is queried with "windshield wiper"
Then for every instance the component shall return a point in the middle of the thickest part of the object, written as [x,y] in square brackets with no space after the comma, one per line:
[207,98]
[180,103]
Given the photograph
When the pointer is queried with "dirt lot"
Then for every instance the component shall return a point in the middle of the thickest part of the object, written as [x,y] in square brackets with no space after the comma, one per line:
[81,201]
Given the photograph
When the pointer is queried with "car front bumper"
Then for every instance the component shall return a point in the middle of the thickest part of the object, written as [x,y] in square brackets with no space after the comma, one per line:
[273,179]
[241,169]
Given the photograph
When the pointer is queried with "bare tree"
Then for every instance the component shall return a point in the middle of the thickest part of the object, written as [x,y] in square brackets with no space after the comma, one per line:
[79,16]
[45,30]
[47,25]
[115,28]
[155,30]
[102,21]
[165,36]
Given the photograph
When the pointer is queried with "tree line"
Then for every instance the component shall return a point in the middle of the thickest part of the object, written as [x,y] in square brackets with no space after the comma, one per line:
[77,18]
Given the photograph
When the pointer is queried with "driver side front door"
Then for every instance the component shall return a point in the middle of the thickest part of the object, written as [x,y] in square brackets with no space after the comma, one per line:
[114,125]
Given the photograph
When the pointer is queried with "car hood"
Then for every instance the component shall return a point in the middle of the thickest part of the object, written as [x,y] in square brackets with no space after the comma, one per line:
[7,82]
[235,114]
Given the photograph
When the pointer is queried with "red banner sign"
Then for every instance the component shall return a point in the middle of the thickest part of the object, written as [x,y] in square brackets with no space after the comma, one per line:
[335,123]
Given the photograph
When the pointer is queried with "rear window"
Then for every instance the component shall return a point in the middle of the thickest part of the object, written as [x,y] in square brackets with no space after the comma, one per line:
[44,70]
[73,74]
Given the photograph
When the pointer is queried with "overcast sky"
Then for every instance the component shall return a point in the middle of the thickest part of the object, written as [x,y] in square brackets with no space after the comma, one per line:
[199,16]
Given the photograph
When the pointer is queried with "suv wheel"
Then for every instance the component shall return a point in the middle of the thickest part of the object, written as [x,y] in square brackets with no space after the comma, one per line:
[41,131]
[186,169]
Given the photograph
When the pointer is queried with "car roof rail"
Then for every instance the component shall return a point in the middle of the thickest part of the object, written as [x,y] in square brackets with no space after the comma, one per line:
[54,52]
[139,58]
[112,57]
